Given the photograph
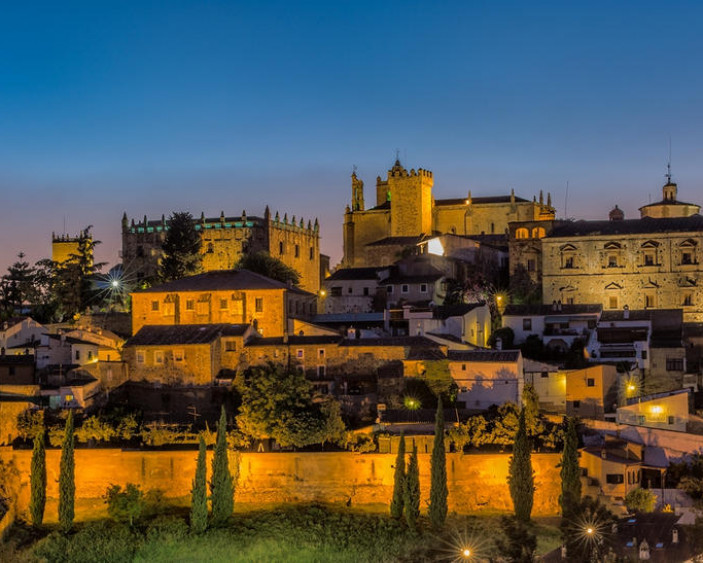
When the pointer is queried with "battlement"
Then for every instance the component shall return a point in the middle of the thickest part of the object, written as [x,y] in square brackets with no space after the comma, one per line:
[222,222]
[67,238]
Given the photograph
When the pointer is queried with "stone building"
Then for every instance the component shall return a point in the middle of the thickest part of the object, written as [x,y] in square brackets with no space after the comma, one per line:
[225,239]
[406,213]
[654,262]
[231,296]
[65,247]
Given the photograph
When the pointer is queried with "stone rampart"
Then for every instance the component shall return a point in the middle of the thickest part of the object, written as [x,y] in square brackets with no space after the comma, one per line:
[476,481]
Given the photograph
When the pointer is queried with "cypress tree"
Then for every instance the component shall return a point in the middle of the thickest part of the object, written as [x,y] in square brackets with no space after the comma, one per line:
[38,481]
[399,481]
[570,472]
[438,484]
[520,474]
[198,505]
[412,491]
[222,486]
[67,483]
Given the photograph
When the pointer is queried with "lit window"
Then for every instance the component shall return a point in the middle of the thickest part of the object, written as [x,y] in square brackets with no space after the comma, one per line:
[190,305]
[230,346]
[223,303]
[141,356]
[522,233]
[612,302]
[259,305]
[69,398]
[154,305]
[158,356]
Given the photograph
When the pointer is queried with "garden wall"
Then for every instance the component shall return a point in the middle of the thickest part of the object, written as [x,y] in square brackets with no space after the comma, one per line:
[476,481]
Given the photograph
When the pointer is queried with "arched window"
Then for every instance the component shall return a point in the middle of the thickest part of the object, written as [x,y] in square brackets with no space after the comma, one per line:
[522,232]
[538,232]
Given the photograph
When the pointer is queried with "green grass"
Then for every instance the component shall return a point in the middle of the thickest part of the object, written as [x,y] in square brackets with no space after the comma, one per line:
[301,533]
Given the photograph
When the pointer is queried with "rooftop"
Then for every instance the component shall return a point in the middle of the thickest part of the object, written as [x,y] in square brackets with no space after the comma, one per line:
[479,200]
[354,274]
[222,280]
[540,310]
[483,355]
[163,335]
[645,225]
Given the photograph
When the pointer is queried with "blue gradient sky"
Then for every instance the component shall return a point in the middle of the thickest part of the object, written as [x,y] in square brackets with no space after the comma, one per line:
[207,106]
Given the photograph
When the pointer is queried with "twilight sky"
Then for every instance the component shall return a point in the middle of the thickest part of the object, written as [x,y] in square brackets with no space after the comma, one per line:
[154,107]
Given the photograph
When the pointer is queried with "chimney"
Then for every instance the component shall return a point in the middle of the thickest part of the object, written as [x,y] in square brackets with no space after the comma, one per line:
[626,312]
[603,453]
[559,305]
[554,305]
[499,343]
[675,536]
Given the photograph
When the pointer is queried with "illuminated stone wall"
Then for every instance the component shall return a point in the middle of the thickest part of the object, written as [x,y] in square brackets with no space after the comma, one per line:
[476,482]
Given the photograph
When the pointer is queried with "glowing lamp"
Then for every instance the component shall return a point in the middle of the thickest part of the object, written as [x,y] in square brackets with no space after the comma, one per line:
[656,409]
[466,553]
[589,531]
[115,283]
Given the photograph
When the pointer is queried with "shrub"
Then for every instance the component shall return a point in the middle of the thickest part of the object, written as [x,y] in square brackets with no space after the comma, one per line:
[640,500]
[166,528]
[125,505]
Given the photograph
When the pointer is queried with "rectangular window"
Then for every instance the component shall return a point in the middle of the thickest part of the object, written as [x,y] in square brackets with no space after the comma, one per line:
[687,258]
[531,265]
[90,354]
[405,288]
[688,299]
[259,305]
[569,262]
[203,307]
[300,353]
[545,374]
[336,291]
[350,290]
[280,248]
[297,251]
[613,302]
[389,289]
[674,364]
[648,301]
[590,382]
[230,346]
[312,253]
[321,371]
[671,420]
[612,261]
[69,398]
[141,356]
[190,305]
[644,354]
[158,357]
[154,305]
[321,353]
[223,303]
[463,367]
[577,404]
[178,356]
[526,324]
[649,260]
[169,309]
[366,291]
[615,478]
[423,288]
[78,355]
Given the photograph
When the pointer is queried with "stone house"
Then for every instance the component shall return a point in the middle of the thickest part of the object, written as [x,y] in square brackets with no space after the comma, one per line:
[191,354]
[591,392]
[669,411]
[231,296]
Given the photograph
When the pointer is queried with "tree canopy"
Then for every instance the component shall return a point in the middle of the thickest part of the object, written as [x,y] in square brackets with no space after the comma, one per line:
[181,248]
[266,265]
[278,403]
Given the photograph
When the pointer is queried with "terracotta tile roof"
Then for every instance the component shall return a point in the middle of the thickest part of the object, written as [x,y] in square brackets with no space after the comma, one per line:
[163,335]
[483,355]
[627,227]
[222,280]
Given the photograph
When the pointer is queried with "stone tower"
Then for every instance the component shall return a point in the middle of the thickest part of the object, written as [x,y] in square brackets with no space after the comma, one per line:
[411,201]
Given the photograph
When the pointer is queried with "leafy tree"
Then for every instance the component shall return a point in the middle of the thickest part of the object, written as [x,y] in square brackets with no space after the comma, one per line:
[474,433]
[30,423]
[198,505]
[521,475]
[72,281]
[38,481]
[506,335]
[411,494]
[398,500]
[67,483]
[96,429]
[278,403]
[263,263]
[640,500]
[17,287]
[518,543]
[222,485]
[523,289]
[438,483]
[570,471]
[125,505]
[181,248]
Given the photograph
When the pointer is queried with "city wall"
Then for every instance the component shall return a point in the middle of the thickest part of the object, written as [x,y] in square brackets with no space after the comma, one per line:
[476,482]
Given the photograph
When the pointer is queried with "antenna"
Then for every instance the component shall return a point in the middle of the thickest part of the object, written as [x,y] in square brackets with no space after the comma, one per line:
[353,168]
[566,200]
[668,164]
[397,154]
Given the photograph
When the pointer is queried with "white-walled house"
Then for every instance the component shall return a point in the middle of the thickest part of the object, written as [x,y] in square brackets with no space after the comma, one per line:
[557,325]
[669,411]
[487,377]
[469,322]
[549,382]
[20,335]
[351,290]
